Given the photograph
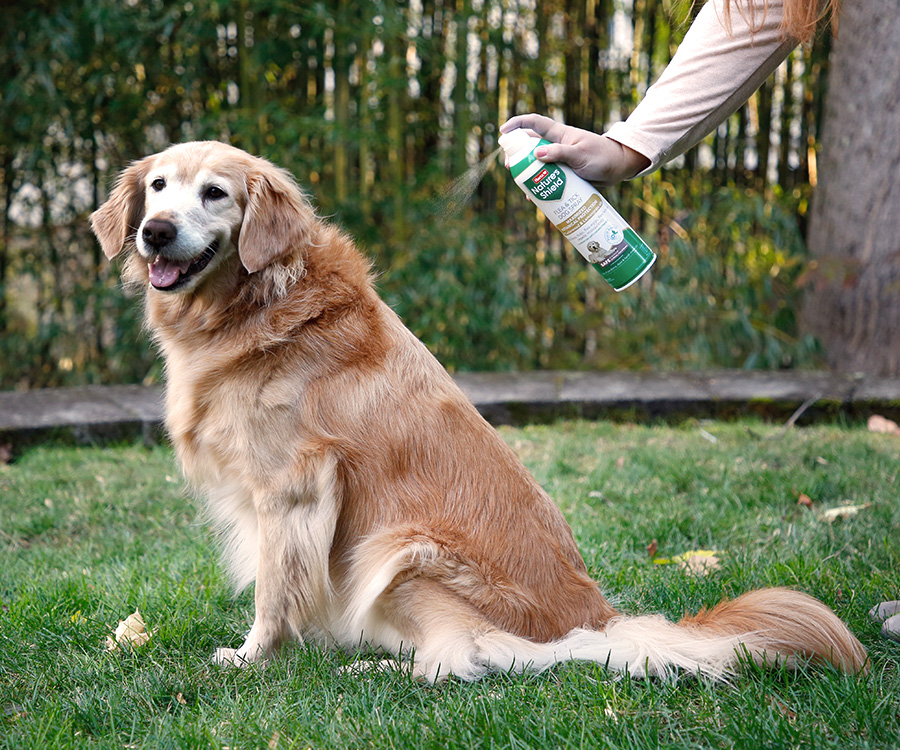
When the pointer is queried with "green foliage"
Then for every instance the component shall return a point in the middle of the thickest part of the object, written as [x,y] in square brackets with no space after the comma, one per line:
[376,107]
[725,290]
[457,294]
[88,534]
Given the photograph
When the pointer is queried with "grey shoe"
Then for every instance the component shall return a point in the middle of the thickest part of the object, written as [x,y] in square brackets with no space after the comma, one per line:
[891,628]
[884,610]
[888,614]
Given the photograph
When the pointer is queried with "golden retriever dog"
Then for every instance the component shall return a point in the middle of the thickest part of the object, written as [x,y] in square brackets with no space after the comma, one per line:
[351,478]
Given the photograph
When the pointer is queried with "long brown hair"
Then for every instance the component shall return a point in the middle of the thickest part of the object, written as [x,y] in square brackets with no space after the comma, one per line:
[799,19]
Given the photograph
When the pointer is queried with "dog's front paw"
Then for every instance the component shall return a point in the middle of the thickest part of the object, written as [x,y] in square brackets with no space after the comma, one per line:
[229,657]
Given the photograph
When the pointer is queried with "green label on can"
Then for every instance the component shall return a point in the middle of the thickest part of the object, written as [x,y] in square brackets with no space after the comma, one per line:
[630,260]
[548,184]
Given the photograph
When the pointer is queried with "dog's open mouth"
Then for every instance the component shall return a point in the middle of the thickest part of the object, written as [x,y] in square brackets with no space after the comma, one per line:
[166,274]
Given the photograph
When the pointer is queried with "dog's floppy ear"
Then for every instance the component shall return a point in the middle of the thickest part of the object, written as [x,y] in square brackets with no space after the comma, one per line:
[277,218]
[118,219]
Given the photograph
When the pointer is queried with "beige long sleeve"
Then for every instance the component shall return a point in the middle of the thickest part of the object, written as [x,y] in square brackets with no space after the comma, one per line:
[712,73]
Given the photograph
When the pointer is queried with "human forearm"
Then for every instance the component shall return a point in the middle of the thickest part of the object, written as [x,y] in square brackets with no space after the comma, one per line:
[711,75]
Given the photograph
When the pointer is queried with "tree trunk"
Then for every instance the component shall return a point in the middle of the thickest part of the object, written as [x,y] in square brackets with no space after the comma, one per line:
[853,302]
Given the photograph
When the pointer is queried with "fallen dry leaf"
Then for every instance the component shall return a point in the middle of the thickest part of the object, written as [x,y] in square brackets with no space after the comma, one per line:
[783,709]
[880,424]
[708,436]
[842,511]
[652,548]
[698,561]
[805,500]
[700,564]
[130,632]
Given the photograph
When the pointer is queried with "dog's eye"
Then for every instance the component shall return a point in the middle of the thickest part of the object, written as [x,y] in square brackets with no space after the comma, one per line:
[158,184]
[215,193]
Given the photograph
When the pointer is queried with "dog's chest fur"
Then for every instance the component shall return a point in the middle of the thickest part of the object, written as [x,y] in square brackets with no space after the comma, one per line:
[225,429]
[243,447]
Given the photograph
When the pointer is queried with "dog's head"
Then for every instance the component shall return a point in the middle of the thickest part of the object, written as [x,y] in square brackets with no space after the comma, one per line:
[191,208]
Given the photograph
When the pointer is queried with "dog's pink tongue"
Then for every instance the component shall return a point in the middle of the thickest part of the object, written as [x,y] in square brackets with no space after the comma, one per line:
[164,273]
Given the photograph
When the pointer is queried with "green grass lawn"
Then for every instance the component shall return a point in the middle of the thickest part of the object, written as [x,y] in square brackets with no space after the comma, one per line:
[88,534]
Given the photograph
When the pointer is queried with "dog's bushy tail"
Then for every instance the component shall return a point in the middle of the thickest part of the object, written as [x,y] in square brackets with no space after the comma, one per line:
[779,625]
[770,626]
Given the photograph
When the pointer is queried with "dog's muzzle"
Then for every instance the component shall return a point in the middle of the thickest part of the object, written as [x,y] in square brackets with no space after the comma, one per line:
[168,275]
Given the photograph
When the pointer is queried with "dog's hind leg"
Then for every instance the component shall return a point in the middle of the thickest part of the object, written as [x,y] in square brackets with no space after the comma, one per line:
[409,599]
[437,631]
[445,635]
[441,635]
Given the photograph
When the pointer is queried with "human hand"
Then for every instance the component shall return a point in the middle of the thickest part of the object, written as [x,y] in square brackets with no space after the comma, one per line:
[598,159]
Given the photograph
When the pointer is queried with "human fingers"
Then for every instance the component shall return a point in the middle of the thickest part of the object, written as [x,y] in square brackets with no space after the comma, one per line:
[558,152]
[541,125]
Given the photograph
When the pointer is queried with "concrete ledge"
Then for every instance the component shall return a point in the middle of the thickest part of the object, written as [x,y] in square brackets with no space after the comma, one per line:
[84,415]
[95,414]
[528,397]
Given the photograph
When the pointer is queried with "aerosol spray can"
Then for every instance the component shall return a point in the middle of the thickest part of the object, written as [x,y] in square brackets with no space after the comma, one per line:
[577,210]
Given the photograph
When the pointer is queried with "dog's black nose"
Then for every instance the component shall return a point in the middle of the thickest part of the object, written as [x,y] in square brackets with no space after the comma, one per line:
[158,233]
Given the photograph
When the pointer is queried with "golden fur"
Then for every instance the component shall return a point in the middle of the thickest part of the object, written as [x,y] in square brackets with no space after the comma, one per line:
[352,479]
